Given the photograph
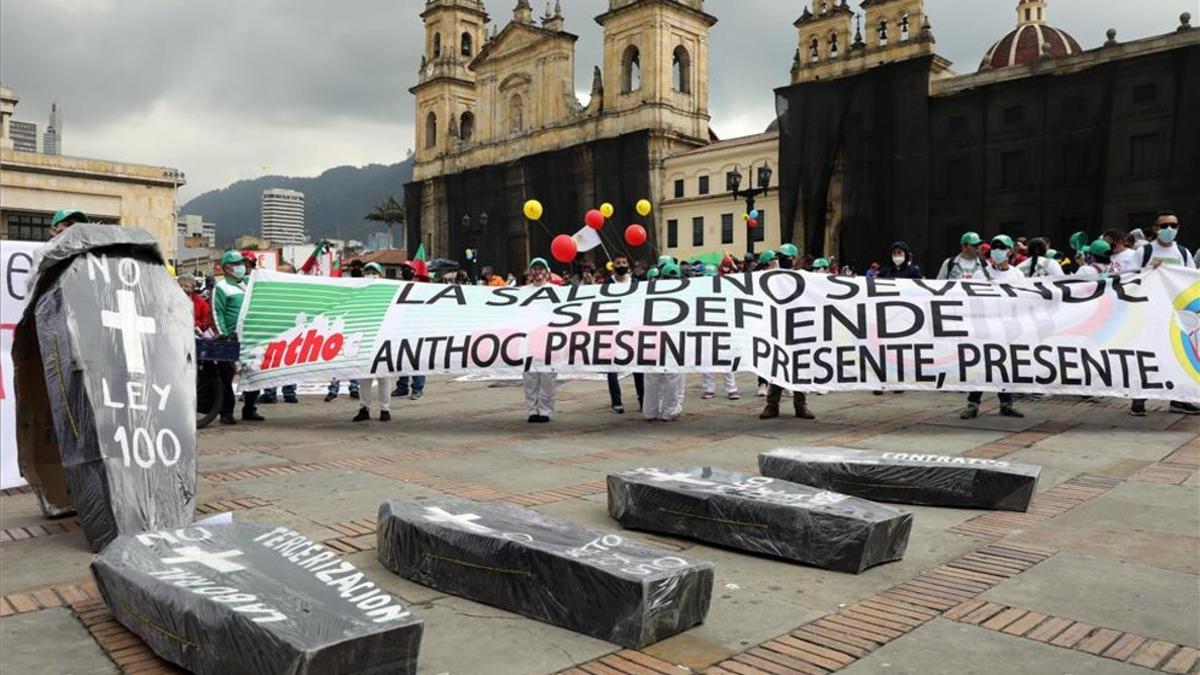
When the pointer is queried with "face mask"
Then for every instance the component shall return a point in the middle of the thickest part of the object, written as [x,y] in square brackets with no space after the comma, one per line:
[372,276]
[1167,234]
[785,263]
[621,270]
[999,255]
[239,271]
[899,260]
[407,274]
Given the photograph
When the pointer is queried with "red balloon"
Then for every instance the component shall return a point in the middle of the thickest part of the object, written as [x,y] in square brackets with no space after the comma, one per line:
[563,248]
[594,219]
[635,235]
[555,279]
[753,223]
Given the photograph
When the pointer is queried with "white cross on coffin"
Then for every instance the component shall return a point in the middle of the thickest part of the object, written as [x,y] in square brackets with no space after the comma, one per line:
[464,520]
[132,326]
[660,477]
[212,560]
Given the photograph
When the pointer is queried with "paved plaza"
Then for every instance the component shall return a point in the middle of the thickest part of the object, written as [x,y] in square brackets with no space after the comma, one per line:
[1099,576]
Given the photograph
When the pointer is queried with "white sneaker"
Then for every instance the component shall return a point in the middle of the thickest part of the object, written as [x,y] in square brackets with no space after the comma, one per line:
[762,391]
[708,394]
[734,396]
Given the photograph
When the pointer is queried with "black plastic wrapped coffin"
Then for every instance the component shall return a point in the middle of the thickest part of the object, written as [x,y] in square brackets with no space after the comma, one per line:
[762,515]
[552,570]
[106,353]
[907,478]
[254,599]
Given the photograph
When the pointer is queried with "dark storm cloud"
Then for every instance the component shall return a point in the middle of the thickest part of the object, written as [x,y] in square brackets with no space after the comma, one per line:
[222,87]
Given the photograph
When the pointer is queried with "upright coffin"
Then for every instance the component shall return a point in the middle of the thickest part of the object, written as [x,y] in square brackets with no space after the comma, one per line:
[105,384]
[907,478]
[762,515]
[254,599]
[548,569]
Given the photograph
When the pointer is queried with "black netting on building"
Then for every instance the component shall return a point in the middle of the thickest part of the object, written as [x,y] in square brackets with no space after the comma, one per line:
[567,182]
[872,130]
[1104,147]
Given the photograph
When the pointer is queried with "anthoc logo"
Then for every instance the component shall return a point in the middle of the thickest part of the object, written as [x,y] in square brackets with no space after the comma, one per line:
[311,347]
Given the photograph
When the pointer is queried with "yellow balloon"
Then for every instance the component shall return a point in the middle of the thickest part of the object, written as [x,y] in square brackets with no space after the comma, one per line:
[644,207]
[607,210]
[533,209]
[609,266]
[745,216]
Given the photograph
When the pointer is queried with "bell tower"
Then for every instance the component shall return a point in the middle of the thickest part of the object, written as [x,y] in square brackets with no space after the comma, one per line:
[446,97]
[656,65]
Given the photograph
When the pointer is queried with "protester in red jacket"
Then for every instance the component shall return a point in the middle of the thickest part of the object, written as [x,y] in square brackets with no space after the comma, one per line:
[201,312]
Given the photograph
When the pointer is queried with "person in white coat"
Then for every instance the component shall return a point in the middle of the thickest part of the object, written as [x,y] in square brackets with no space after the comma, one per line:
[665,391]
[540,388]
[377,389]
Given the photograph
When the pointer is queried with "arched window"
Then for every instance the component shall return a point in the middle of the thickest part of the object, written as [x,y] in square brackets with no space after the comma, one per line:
[437,45]
[814,50]
[466,44]
[467,127]
[905,27]
[681,70]
[631,70]
[516,114]
[883,32]
[833,45]
[431,130]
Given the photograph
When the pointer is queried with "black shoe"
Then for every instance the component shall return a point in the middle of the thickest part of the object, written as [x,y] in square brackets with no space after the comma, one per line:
[354,395]
[534,419]
[1138,409]
[1184,408]
[618,409]
[252,416]
[770,412]
[385,416]
[543,419]
[228,420]
[290,399]
[396,393]
[330,397]
[804,413]
[267,401]
[362,416]
[1007,410]
[971,412]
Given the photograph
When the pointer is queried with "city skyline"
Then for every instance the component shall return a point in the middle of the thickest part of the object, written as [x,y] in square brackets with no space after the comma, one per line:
[225,109]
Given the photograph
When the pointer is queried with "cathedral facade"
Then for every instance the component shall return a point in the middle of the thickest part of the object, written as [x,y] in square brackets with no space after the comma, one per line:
[498,122]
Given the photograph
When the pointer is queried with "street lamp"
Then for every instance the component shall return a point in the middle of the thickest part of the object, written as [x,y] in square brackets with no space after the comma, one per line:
[733,183]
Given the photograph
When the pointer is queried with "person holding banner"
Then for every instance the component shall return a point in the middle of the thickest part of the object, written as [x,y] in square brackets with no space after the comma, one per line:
[621,275]
[966,265]
[665,391]
[227,304]
[1163,250]
[540,388]
[1002,269]
[375,388]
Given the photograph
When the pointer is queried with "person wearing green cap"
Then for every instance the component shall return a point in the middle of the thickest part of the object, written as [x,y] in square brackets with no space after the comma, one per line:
[227,304]
[1001,270]
[540,388]
[821,266]
[708,381]
[788,253]
[1100,266]
[966,264]
[767,261]
[665,392]
[65,218]
[375,388]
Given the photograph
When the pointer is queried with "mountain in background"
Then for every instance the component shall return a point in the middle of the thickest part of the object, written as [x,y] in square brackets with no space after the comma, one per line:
[335,202]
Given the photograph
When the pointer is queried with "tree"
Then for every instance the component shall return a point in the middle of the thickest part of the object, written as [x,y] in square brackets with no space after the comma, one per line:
[390,212]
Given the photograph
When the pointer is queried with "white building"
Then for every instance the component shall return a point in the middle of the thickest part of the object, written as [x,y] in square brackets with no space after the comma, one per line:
[283,217]
[24,136]
[194,226]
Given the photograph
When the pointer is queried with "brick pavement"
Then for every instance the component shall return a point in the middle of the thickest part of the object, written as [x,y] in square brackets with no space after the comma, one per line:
[983,571]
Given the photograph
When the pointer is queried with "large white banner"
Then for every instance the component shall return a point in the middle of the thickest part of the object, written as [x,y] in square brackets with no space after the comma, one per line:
[16,264]
[1133,336]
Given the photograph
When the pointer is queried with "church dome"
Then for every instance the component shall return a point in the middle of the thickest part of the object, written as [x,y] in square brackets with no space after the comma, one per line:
[1030,39]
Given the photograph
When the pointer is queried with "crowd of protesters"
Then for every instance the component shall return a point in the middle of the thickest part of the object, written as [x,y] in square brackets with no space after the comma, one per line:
[661,396]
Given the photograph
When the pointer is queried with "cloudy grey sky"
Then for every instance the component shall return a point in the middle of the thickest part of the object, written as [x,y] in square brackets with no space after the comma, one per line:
[230,89]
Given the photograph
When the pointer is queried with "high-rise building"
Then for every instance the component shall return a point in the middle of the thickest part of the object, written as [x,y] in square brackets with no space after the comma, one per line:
[52,140]
[24,136]
[283,216]
[191,226]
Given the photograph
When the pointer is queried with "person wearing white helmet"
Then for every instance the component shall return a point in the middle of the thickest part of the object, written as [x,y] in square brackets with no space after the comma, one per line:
[376,388]
[540,388]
